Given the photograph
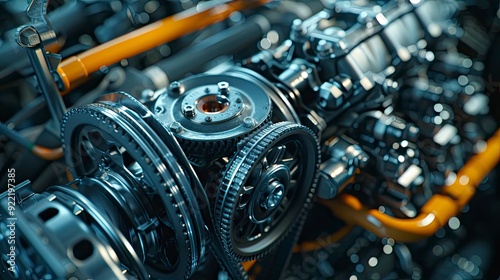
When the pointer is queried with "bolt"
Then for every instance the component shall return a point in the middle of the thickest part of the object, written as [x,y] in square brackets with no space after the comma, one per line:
[331,95]
[147,94]
[176,127]
[324,47]
[297,31]
[174,89]
[223,88]
[238,100]
[248,122]
[327,186]
[158,109]
[207,90]
[274,197]
[104,69]
[208,119]
[297,25]
[27,36]
[188,111]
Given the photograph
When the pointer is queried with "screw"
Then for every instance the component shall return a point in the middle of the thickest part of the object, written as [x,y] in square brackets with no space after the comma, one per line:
[238,100]
[208,119]
[248,122]
[207,90]
[223,88]
[174,89]
[188,111]
[176,127]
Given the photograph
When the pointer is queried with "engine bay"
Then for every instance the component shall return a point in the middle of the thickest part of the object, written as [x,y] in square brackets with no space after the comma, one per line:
[249,139]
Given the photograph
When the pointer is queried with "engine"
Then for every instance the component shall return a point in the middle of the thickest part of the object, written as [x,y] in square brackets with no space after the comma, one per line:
[253,139]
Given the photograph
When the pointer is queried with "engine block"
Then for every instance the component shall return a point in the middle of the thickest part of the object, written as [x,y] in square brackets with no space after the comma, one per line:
[249,139]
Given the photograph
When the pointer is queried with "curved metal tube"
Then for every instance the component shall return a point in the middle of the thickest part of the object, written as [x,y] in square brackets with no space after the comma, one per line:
[434,214]
[75,69]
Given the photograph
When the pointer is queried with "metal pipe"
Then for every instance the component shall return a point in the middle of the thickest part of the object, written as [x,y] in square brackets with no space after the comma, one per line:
[194,57]
[76,68]
[434,214]
[67,21]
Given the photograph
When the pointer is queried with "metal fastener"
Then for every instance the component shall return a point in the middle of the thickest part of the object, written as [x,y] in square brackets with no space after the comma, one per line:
[189,111]
[223,88]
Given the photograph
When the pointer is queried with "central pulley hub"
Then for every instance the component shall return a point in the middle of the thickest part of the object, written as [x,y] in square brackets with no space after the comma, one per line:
[273,196]
[213,112]
[212,104]
[271,188]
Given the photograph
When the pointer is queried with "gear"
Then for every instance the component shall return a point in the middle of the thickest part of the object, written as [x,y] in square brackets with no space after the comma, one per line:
[267,184]
[111,135]
[209,114]
[284,102]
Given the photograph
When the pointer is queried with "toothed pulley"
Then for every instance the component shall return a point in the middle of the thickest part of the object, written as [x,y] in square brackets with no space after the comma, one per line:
[120,135]
[268,184]
[209,114]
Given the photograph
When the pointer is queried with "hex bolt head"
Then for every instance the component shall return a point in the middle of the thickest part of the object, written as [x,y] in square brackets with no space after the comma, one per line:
[174,89]
[327,187]
[223,88]
[249,122]
[188,111]
[324,47]
[331,96]
[176,127]
[28,37]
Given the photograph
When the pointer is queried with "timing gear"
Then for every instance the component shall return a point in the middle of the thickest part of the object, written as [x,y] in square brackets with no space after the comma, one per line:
[267,185]
[209,114]
[109,136]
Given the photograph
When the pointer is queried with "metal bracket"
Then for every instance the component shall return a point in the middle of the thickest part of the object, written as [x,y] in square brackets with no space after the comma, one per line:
[34,38]
[37,12]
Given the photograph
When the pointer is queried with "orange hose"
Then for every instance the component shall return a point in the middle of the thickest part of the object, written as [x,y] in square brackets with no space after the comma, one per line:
[434,214]
[47,153]
[322,242]
[76,68]
[248,265]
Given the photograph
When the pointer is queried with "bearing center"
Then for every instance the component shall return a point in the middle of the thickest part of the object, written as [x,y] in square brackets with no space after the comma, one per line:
[271,190]
[273,195]
[212,104]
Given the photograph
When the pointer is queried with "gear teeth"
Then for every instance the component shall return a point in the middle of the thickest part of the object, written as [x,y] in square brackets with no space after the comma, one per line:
[249,151]
[207,148]
[95,111]
[198,149]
